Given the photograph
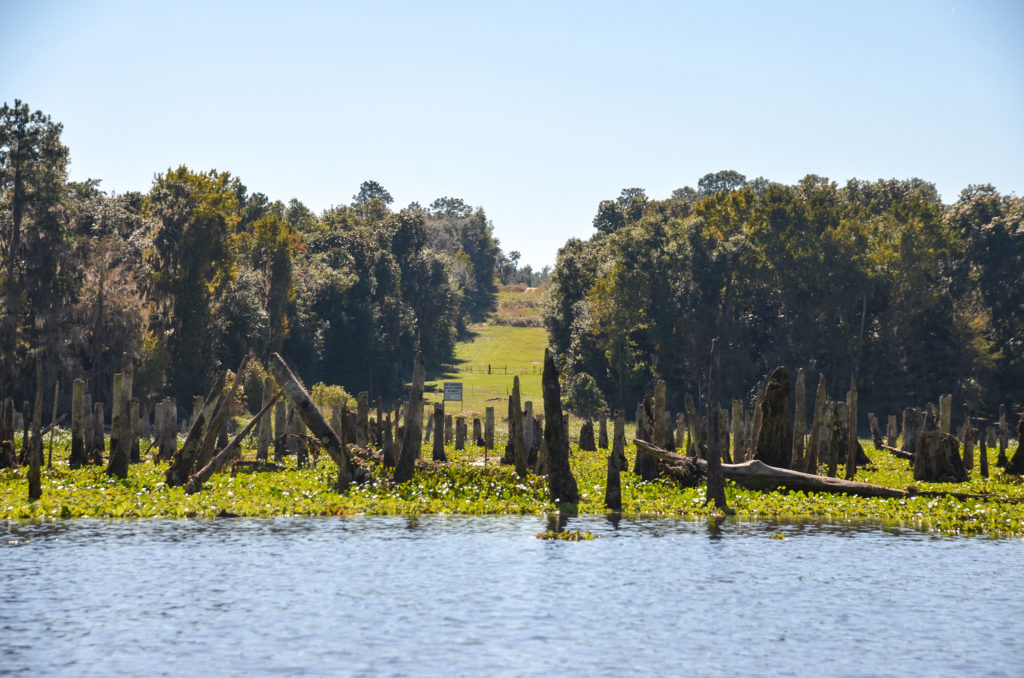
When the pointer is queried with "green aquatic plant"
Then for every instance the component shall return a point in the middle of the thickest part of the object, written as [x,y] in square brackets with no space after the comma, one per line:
[465,486]
[566,535]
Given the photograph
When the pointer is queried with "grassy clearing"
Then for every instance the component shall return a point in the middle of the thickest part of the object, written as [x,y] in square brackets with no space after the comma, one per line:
[461,487]
[520,306]
[509,351]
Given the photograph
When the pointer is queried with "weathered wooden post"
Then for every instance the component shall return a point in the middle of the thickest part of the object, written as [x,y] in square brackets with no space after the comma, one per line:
[799,420]
[937,459]
[266,430]
[912,421]
[449,430]
[53,424]
[115,420]
[117,465]
[363,419]
[851,432]
[587,436]
[1003,437]
[528,440]
[489,428]
[945,413]
[775,433]
[460,432]
[281,430]
[967,435]
[134,425]
[438,425]
[716,478]
[659,434]
[892,432]
[7,456]
[695,446]
[98,444]
[79,457]
[602,430]
[983,452]
[301,444]
[876,431]
[516,431]
[388,443]
[413,432]
[35,449]
[561,483]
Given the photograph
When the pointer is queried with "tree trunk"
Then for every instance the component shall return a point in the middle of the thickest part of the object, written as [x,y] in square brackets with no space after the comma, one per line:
[413,425]
[309,413]
[266,433]
[185,458]
[35,448]
[799,420]
[912,421]
[210,440]
[983,454]
[644,466]
[478,436]
[79,457]
[388,442]
[851,430]
[136,428]
[716,480]
[438,424]
[561,483]
[1003,436]
[449,430]
[489,428]
[602,431]
[1016,466]
[117,465]
[587,436]
[937,459]
[696,448]
[967,435]
[7,456]
[775,435]
[876,431]
[619,441]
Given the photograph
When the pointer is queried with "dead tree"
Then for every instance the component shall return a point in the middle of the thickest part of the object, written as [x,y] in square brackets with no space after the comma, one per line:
[799,420]
[775,435]
[308,411]
[185,458]
[561,483]
[716,481]
[437,453]
[937,459]
[413,425]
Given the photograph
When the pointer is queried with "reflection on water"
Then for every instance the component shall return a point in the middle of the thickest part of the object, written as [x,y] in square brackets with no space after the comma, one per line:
[482,596]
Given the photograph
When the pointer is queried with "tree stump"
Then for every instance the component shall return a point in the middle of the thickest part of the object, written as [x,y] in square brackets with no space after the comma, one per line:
[912,421]
[967,435]
[738,442]
[983,453]
[619,440]
[1016,465]
[561,483]
[362,419]
[602,431]
[98,446]
[716,479]
[478,436]
[266,430]
[695,446]
[528,439]
[7,456]
[680,431]
[515,430]
[645,466]
[775,435]
[79,456]
[281,430]
[437,452]
[799,420]
[937,459]
[489,428]
[891,431]
[876,431]
[945,413]
[587,436]
[460,432]
[852,444]
[390,458]
[35,448]
[449,430]
[413,432]
[1003,437]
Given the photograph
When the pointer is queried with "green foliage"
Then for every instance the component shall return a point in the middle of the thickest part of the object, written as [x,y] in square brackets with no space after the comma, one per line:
[328,397]
[874,276]
[583,397]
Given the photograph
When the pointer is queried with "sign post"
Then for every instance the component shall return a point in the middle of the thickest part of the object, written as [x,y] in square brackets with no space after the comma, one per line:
[453,391]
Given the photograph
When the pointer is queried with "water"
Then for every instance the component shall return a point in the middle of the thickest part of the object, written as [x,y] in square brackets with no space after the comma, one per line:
[482,597]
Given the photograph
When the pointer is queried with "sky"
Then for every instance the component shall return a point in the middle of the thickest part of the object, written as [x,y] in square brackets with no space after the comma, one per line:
[534,111]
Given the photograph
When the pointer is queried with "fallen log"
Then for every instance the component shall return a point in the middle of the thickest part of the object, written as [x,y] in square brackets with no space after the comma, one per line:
[902,454]
[303,404]
[195,483]
[756,475]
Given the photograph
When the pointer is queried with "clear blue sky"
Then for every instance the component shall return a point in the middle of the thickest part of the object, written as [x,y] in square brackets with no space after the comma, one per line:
[534,110]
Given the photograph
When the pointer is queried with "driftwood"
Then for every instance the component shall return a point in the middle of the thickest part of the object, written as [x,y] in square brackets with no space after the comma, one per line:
[898,452]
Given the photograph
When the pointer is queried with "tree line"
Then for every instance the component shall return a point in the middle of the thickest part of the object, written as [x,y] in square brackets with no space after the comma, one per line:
[877,278]
[199,271]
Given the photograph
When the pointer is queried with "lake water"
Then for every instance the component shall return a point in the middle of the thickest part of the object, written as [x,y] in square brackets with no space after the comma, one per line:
[468,596]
